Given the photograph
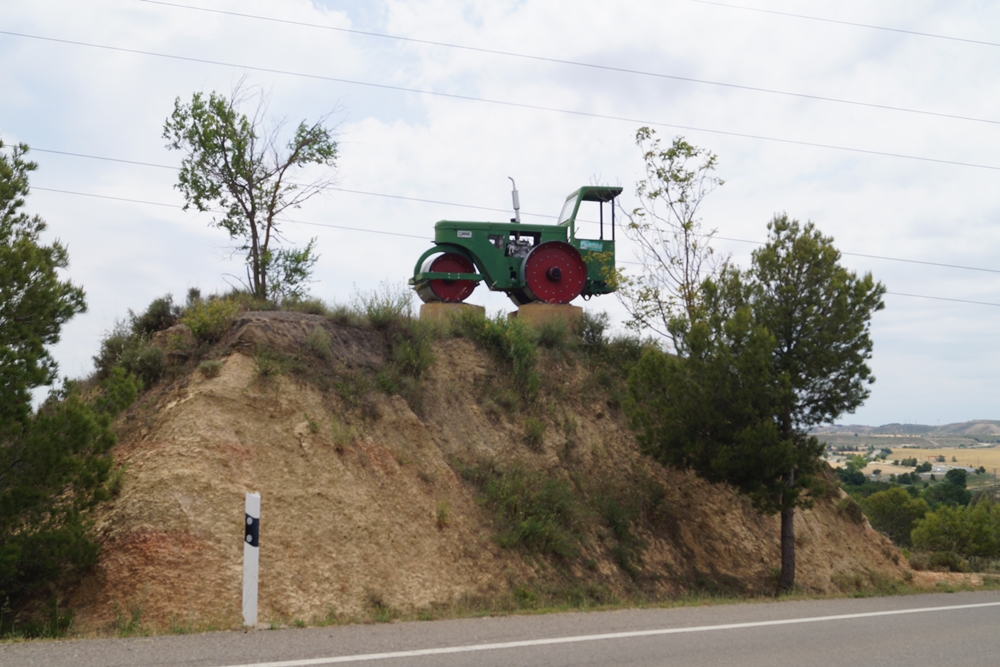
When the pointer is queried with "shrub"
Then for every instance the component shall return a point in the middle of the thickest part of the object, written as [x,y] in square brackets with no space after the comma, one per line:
[553,334]
[114,344]
[534,433]
[146,362]
[318,341]
[210,320]
[510,341]
[537,512]
[117,392]
[851,509]
[210,368]
[267,365]
[386,305]
[159,315]
[894,513]
[311,306]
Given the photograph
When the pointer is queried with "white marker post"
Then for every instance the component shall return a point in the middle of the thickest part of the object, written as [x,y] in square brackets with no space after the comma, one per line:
[251,559]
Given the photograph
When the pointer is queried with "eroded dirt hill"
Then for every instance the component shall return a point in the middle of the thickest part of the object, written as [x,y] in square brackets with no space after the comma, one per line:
[364,505]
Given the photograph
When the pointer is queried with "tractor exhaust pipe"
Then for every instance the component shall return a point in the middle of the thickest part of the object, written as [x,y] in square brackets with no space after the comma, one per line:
[517,202]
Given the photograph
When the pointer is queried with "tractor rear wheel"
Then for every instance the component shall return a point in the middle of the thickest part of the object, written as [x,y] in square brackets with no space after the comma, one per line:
[440,289]
[554,272]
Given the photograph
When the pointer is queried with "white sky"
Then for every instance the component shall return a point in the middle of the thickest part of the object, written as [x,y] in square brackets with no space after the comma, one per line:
[935,361]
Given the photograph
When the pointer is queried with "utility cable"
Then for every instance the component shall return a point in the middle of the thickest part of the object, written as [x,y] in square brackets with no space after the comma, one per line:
[850,23]
[574,63]
[620,261]
[890,259]
[507,103]
[473,206]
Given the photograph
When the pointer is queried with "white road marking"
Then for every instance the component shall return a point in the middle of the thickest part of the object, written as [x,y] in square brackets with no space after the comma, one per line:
[364,657]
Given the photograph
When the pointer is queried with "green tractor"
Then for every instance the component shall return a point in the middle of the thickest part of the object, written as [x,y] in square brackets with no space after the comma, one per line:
[531,263]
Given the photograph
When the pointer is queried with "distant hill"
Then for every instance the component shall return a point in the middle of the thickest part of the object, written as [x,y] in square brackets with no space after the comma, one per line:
[976,427]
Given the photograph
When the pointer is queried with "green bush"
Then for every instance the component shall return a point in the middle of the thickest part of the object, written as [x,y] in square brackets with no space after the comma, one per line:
[210,368]
[553,335]
[969,532]
[534,433]
[894,512]
[851,509]
[210,320]
[318,341]
[508,340]
[113,346]
[386,305]
[537,512]
[146,362]
[159,315]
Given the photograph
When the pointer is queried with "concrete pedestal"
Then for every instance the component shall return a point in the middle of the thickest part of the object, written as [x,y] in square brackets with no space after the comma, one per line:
[541,313]
[439,311]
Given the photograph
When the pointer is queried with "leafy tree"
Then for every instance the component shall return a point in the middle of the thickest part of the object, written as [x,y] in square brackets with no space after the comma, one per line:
[676,252]
[233,163]
[894,512]
[946,493]
[958,477]
[34,303]
[53,461]
[773,351]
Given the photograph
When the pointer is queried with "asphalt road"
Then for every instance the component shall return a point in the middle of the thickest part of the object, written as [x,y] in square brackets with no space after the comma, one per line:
[942,630]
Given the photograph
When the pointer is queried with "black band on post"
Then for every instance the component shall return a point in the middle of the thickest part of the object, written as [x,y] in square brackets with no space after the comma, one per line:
[252,531]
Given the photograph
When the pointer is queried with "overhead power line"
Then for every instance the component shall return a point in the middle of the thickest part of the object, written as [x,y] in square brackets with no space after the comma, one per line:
[575,63]
[850,23]
[366,230]
[890,259]
[438,202]
[507,103]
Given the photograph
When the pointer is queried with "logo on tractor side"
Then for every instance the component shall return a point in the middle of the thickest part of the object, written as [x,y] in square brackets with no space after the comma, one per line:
[596,246]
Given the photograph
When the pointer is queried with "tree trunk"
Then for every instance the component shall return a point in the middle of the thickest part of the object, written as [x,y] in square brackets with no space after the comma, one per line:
[787,579]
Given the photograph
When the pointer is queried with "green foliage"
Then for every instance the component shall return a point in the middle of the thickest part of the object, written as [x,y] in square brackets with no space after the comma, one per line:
[534,433]
[894,512]
[159,315]
[957,476]
[318,341]
[54,461]
[857,462]
[510,341]
[851,509]
[268,365]
[34,302]
[675,251]
[53,472]
[762,356]
[210,368]
[946,493]
[117,392]
[146,362]
[538,512]
[386,305]
[235,165]
[209,320]
[967,532]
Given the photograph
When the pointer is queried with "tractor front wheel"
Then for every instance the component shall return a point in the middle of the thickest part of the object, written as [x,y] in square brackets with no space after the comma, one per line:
[440,289]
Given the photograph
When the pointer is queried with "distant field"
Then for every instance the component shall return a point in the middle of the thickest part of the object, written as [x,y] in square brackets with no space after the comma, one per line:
[896,441]
[985,456]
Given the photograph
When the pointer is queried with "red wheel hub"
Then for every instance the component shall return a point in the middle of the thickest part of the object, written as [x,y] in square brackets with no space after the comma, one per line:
[553,272]
[448,290]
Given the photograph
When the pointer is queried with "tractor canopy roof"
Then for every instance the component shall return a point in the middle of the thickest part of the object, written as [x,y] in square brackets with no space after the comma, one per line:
[598,193]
